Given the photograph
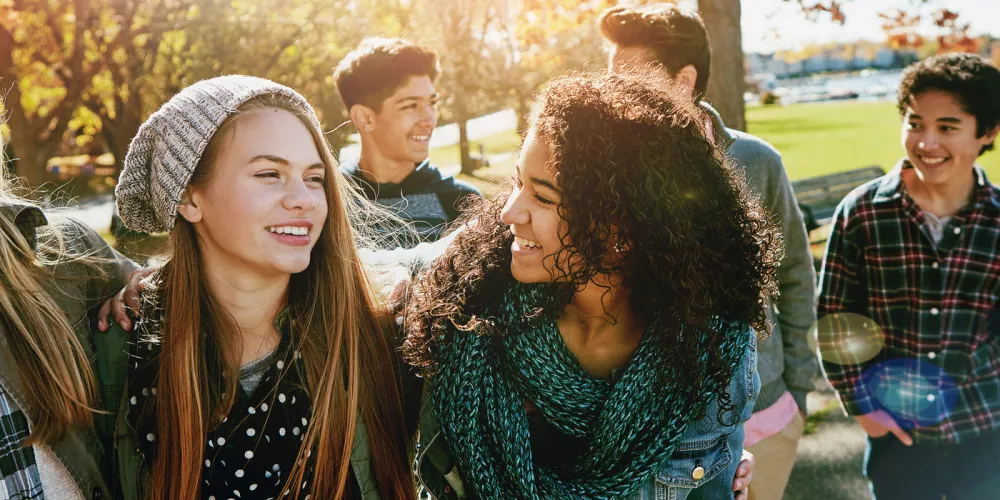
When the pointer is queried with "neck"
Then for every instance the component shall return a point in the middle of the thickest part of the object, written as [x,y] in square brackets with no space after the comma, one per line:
[601,328]
[942,200]
[597,305]
[377,167]
[253,302]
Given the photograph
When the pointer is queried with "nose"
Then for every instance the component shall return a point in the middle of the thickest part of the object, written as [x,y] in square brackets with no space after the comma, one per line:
[298,196]
[515,212]
[929,141]
[429,116]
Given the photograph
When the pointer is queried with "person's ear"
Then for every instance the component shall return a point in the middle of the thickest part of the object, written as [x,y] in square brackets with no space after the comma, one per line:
[190,206]
[687,76]
[991,135]
[363,117]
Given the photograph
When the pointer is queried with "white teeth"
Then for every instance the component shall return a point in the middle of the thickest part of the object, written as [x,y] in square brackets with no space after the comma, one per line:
[933,161]
[522,242]
[420,137]
[292,230]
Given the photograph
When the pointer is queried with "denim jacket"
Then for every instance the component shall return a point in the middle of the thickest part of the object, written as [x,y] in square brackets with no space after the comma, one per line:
[708,443]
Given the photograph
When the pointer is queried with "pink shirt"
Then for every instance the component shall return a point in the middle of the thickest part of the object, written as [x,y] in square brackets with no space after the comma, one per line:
[770,421]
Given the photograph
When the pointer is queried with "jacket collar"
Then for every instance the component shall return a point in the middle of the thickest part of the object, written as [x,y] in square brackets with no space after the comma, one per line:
[723,136]
[27,217]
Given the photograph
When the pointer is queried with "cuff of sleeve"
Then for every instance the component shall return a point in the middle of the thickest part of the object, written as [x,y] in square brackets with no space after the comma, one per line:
[800,399]
[859,401]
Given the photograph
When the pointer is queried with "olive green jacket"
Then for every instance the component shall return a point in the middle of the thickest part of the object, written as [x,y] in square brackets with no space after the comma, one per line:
[78,288]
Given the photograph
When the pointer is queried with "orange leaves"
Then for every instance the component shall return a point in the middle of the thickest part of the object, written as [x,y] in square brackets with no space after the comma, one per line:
[911,26]
[901,28]
[955,36]
[813,9]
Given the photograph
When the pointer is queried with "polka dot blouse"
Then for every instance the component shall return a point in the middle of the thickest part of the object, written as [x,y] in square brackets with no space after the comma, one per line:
[251,453]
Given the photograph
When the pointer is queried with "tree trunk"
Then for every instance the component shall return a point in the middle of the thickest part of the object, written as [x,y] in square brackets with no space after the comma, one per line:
[463,145]
[30,162]
[726,86]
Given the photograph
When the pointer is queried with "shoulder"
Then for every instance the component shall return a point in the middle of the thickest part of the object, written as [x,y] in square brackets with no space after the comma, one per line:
[452,184]
[752,152]
[464,188]
[862,198]
[78,236]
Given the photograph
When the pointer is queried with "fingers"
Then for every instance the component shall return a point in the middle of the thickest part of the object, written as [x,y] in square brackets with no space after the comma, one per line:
[137,282]
[129,297]
[743,494]
[901,434]
[119,311]
[135,287]
[744,473]
[102,316]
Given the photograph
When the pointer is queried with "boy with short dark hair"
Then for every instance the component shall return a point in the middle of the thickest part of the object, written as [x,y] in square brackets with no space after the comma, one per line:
[914,254]
[387,85]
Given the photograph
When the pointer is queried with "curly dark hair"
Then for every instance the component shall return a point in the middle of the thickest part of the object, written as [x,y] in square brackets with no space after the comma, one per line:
[972,80]
[634,162]
[677,36]
[371,73]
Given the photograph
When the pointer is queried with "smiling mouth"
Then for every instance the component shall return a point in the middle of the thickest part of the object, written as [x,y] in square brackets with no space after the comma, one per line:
[289,230]
[526,243]
[421,138]
[933,160]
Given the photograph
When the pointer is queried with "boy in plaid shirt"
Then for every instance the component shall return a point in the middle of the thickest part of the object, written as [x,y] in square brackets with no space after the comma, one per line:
[909,330]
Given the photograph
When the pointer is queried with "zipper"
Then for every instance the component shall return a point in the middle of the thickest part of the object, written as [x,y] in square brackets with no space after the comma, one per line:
[420,463]
[138,477]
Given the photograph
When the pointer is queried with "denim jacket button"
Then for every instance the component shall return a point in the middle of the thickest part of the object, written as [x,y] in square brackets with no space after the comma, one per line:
[698,473]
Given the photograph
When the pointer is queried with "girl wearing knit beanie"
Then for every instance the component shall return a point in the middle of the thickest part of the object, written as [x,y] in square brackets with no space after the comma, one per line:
[625,227]
[262,364]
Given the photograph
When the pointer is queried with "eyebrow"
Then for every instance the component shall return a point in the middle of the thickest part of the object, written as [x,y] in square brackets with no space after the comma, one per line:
[946,119]
[416,98]
[540,182]
[281,161]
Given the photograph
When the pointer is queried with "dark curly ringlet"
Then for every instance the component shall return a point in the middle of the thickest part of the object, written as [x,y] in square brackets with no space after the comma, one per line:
[676,36]
[632,161]
[972,80]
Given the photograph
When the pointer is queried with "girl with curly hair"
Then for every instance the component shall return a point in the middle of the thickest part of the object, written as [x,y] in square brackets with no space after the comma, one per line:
[591,333]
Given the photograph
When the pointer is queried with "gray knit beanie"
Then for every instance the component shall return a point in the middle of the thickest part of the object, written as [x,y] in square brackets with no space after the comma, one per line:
[164,153]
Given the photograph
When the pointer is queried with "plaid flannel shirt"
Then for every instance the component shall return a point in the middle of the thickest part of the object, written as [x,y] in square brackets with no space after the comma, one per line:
[935,366]
[17,463]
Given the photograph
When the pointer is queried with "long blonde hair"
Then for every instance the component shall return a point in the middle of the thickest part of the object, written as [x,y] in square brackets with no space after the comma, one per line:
[53,365]
[336,320]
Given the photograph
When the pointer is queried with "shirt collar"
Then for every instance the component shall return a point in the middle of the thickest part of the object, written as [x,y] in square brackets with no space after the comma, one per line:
[27,217]
[892,188]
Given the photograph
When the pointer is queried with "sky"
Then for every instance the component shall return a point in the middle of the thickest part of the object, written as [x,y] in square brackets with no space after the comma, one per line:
[760,17]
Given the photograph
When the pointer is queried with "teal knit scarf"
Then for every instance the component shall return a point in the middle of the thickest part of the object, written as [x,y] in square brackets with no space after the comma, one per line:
[632,425]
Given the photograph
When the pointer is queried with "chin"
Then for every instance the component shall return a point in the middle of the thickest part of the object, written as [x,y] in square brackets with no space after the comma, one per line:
[293,266]
[532,275]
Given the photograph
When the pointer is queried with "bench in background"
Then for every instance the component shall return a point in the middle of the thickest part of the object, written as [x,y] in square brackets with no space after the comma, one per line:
[818,197]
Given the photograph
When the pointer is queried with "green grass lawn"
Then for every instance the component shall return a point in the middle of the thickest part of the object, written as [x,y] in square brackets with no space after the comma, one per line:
[492,145]
[814,139]
[823,138]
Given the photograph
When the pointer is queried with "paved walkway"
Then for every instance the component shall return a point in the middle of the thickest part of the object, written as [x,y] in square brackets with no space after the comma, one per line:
[828,465]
